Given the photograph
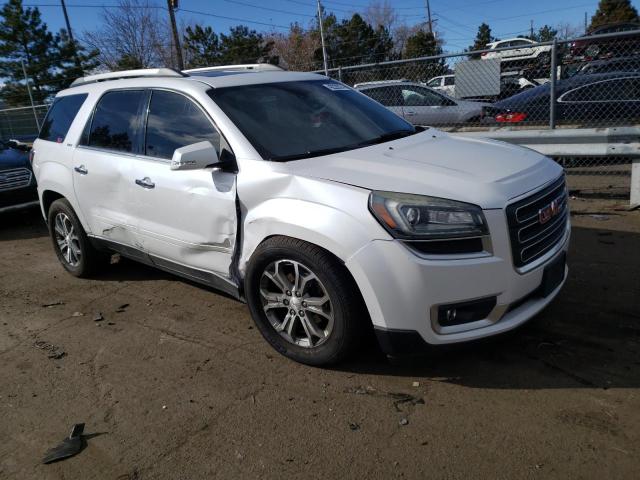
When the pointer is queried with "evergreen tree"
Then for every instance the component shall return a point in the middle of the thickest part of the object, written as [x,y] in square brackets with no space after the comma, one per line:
[354,41]
[422,44]
[245,46]
[202,47]
[483,37]
[544,34]
[52,61]
[614,11]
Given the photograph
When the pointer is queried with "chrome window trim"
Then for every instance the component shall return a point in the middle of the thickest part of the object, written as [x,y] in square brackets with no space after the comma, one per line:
[562,100]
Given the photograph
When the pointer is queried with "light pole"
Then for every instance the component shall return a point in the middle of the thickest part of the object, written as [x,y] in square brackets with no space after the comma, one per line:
[324,50]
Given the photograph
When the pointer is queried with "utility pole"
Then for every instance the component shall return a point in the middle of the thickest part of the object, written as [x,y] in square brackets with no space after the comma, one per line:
[33,107]
[531,34]
[585,23]
[66,19]
[73,42]
[429,18]
[172,5]
[324,49]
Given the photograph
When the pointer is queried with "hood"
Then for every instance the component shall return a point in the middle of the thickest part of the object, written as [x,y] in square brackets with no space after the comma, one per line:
[13,158]
[483,172]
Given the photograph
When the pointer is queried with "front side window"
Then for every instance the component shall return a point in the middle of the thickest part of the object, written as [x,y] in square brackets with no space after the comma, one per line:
[60,117]
[435,82]
[303,119]
[116,121]
[174,121]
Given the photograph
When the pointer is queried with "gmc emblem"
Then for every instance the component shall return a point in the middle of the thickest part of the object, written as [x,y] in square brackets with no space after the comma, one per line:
[547,213]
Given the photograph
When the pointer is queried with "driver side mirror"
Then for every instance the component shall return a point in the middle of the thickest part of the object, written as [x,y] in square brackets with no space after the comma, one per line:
[195,156]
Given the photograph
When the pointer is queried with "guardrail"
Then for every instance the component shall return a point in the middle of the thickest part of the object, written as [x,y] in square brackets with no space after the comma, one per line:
[612,143]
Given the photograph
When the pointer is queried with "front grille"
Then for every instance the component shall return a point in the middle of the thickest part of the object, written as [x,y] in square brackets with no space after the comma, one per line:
[14,178]
[531,237]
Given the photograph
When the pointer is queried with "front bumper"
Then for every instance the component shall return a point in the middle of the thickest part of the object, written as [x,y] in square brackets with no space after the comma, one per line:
[402,289]
[19,198]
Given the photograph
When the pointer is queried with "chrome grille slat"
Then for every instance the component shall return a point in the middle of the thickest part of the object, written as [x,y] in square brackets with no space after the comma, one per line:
[531,239]
[554,231]
[548,226]
[14,178]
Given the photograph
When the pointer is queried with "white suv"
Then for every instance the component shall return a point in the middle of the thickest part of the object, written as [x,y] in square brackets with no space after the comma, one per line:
[518,49]
[320,208]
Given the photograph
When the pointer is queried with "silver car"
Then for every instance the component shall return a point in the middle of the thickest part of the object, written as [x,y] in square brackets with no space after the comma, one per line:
[421,105]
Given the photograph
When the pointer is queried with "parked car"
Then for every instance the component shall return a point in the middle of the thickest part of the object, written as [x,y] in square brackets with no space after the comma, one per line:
[587,48]
[519,49]
[320,208]
[584,99]
[17,183]
[421,105]
[622,64]
[444,83]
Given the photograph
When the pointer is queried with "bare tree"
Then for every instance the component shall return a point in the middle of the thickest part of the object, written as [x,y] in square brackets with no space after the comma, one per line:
[135,34]
[567,31]
[381,13]
[296,48]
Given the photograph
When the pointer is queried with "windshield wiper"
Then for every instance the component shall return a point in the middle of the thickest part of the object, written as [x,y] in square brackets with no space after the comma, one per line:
[311,153]
[387,137]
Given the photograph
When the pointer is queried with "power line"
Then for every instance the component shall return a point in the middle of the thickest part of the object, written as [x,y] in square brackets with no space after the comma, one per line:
[269,9]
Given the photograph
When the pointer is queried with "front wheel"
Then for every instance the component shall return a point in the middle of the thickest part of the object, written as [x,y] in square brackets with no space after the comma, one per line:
[303,301]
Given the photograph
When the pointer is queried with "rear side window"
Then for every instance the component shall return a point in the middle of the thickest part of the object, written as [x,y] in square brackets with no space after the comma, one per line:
[116,121]
[60,117]
[174,121]
[448,81]
[387,96]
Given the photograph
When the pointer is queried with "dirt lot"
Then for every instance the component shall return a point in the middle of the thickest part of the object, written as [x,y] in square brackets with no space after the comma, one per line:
[179,385]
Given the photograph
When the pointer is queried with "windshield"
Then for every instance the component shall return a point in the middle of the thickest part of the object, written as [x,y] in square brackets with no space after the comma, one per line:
[293,120]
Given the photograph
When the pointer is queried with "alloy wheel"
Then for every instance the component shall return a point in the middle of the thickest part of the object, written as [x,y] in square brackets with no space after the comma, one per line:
[296,303]
[67,239]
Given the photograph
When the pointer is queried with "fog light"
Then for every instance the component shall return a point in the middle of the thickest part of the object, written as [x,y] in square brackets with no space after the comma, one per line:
[465,312]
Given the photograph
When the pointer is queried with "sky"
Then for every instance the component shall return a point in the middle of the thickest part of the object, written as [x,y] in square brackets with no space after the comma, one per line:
[456,20]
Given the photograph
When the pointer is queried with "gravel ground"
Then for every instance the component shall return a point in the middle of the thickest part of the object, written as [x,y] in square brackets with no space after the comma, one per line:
[176,383]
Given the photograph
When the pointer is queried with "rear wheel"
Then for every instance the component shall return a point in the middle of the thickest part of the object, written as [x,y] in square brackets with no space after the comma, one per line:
[70,241]
[303,301]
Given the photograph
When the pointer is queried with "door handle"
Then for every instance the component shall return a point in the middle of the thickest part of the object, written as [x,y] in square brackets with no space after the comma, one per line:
[145,183]
[82,170]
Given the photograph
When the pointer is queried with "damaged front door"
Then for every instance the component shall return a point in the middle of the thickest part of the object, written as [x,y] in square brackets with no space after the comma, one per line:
[186,217]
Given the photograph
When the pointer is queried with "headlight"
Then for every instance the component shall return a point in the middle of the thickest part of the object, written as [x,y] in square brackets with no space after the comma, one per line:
[417,217]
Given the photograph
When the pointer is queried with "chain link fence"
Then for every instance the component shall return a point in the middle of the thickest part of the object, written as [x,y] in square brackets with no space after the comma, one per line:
[20,123]
[518,84]
[514,84]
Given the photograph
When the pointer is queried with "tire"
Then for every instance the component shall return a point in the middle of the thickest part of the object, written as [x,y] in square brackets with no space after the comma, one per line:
[270,279]
[82,259]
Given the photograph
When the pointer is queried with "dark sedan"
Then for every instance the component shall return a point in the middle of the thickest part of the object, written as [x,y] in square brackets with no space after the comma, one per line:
[582,99]
[17,182]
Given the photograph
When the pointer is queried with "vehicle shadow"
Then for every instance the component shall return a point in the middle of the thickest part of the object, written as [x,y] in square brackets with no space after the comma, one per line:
[22,224]
[588,337]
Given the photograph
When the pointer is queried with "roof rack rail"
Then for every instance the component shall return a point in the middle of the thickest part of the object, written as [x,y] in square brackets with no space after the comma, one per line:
[145,72]
[378,82]
[256,67]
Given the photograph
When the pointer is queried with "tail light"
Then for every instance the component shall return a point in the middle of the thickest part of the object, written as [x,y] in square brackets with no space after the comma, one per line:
[484,54]
[511,117]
